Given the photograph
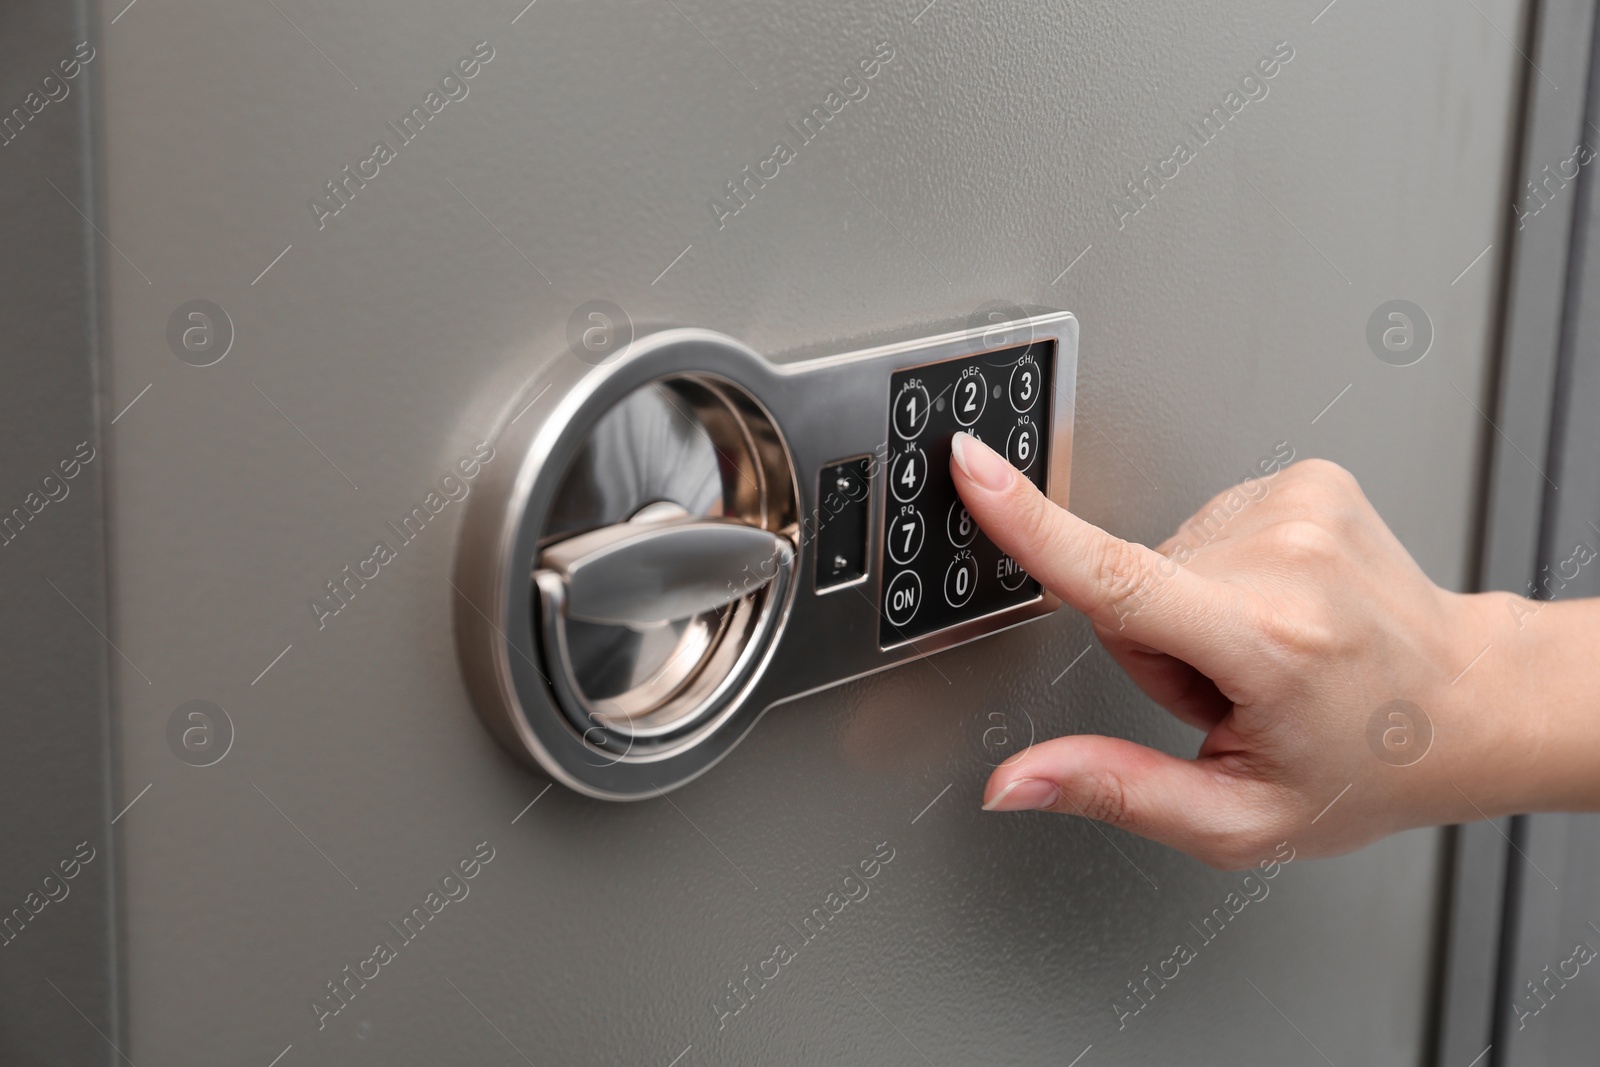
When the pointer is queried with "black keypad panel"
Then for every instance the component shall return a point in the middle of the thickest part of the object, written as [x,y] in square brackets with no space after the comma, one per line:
[938,568]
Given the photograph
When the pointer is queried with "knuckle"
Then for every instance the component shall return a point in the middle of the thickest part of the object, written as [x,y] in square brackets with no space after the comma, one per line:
[1302,542]
[1325,491]
[1298,633]
[1039,523]
[1238,842]
[1120,576]
[1104,798]
[1325,476]
[1234,853]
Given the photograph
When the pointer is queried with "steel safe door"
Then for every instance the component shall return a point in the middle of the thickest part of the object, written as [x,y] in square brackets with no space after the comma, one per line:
[390,219]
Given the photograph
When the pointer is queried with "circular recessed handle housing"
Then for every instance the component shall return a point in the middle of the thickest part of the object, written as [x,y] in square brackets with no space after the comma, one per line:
[623,579]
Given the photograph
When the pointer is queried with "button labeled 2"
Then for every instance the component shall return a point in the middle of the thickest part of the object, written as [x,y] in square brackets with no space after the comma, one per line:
[971,394]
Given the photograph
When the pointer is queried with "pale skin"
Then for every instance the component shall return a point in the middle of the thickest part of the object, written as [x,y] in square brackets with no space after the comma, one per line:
[1279,633]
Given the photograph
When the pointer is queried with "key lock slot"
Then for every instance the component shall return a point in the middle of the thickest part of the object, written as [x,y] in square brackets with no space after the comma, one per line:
[688,534]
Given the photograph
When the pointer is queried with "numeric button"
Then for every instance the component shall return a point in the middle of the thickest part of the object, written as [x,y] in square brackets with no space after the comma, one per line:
[960,579]
[959,525]
[906,532]
[971,394]
[1022,447]
[908,474]
[911,409]
[1024,387]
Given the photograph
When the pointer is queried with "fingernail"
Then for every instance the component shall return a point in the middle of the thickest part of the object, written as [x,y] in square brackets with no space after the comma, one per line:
[980,462]
[1025,794]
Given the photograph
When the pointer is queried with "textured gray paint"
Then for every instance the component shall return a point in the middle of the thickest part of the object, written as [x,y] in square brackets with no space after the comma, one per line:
[983,162]
[52,662]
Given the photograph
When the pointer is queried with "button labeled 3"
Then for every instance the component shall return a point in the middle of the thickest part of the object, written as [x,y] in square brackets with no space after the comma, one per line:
[1024,387]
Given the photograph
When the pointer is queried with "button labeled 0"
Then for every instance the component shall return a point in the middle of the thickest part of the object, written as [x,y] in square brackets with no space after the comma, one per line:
[960,580]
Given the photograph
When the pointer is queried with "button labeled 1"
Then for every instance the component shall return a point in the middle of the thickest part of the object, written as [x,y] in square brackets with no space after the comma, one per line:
[911,408]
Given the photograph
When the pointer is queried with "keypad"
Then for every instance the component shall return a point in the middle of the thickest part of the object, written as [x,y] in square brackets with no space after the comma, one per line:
[938,568]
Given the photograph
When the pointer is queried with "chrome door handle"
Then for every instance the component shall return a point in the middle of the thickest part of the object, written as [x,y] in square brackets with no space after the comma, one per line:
[648,573]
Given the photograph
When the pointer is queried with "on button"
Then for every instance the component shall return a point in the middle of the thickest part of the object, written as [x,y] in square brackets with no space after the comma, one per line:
[904,597]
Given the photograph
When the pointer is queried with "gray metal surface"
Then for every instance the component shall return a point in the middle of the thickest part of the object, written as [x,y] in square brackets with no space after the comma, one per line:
[1535,246]
[57,984]
[1547,1011]
[982,162]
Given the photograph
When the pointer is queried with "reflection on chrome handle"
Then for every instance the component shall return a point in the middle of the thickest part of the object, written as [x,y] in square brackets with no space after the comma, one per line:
[649,573]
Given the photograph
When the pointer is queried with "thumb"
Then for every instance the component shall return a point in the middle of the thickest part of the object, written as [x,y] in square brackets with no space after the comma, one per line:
[1194,806]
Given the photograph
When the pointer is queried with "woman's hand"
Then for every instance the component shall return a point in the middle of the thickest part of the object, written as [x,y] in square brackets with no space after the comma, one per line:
[1343,695]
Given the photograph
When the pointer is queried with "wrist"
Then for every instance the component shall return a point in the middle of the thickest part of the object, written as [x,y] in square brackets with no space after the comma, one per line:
[1526,715]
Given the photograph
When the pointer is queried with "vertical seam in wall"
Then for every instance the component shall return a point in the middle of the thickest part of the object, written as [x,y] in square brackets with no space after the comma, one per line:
[1566,338]
[1511,903]
[1499,330]
[85,18]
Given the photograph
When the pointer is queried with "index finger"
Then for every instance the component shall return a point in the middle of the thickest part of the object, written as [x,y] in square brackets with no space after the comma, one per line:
[1121,586]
